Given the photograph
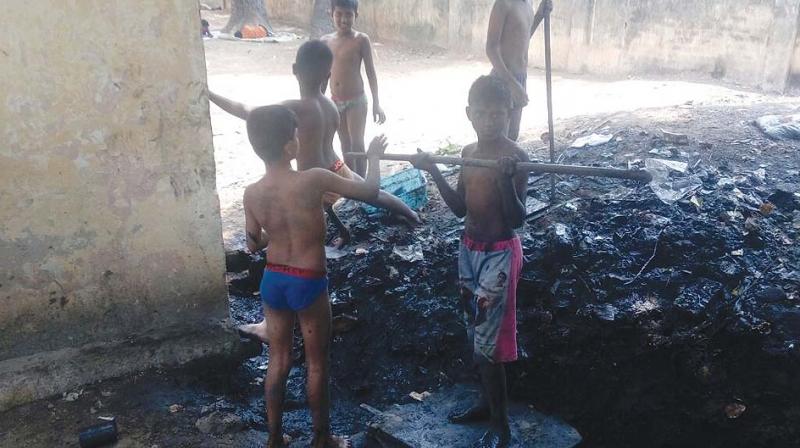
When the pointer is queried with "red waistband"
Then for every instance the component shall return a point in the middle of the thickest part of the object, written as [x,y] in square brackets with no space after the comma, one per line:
[480,246]
[337,165]
[295,272]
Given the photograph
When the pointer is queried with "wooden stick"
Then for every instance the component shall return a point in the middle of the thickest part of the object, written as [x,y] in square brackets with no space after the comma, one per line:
[576,170]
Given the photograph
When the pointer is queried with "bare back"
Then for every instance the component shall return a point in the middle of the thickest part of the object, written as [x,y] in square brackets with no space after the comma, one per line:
[485,217]
[288,206]
[317,121]
[348,55]
[515,39]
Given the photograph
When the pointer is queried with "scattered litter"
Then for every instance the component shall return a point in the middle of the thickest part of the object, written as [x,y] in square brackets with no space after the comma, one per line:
[409,185]
[344,323]
[697,202]
[670,190]
[738,253]
[72,396]
[411,254]
[767,208]
[663,152]
[780,127]
[533,205]
[219,423]
[99,435]
[275,38]
[420,396]
[760,175]
[592,140]
[332,253]
[735,410]
[175,408]
[361,251]
[675,138]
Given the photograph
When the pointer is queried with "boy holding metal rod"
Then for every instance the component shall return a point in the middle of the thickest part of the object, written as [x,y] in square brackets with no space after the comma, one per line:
[490,257]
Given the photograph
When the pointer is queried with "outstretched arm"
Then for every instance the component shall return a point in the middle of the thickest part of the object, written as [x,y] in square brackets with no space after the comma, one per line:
[232,107]
[497,20]
[256,237]
[365,191]
[453,198]
[369,66]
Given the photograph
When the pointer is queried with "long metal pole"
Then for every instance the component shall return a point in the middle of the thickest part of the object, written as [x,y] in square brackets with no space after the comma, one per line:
[575,170]
[548,68]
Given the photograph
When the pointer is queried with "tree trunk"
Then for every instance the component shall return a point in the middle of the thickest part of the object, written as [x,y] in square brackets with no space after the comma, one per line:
[247,12]
[321,22]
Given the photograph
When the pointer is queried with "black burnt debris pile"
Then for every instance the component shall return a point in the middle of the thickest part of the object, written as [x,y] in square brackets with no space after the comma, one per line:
[642,323]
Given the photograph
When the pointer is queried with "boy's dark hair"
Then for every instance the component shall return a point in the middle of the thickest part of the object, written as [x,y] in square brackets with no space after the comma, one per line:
[269,129]
[314,60]
[344,4]
[489,90]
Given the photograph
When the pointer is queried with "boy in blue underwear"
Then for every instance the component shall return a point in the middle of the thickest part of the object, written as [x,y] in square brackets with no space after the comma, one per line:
[285,210]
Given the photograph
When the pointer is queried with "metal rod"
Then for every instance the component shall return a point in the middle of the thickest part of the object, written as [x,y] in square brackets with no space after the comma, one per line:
[548,64]
[575,170]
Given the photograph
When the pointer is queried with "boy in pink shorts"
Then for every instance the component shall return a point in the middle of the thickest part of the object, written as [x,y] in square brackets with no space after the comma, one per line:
[490,257]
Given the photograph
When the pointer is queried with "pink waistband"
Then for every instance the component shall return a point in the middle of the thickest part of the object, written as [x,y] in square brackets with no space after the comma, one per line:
[480,246]
[294,272]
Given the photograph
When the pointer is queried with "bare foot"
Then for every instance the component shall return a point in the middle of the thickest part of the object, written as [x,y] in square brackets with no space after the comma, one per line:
[256,332]
[477,413]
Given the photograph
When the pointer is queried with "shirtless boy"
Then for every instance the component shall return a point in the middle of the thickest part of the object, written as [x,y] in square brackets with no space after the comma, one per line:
[350,48]
[317,120]
[284,209]
[511,26]
[490,257]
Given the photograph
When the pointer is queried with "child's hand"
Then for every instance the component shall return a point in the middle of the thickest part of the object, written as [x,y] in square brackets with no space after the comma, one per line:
[519,96]
[378,115]
[377,147]
[422,161]
[507,166]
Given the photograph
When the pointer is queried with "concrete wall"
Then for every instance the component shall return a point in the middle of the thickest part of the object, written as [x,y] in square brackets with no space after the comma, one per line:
[111,253]
[746,41]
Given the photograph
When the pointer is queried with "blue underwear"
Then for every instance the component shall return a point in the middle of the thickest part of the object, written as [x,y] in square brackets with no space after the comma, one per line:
[288,288]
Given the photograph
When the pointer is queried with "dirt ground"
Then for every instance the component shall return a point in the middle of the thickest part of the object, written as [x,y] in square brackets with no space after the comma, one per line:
[641,323]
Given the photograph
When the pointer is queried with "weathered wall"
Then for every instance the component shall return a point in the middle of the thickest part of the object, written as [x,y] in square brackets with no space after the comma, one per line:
[794,72]
[110,233]
[746,41]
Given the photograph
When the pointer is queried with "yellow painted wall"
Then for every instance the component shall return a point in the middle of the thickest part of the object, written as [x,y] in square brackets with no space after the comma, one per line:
[109,218]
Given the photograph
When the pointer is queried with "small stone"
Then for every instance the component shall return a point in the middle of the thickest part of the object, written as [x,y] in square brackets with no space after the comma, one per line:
[735,410]
[175,408]
[219,423]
